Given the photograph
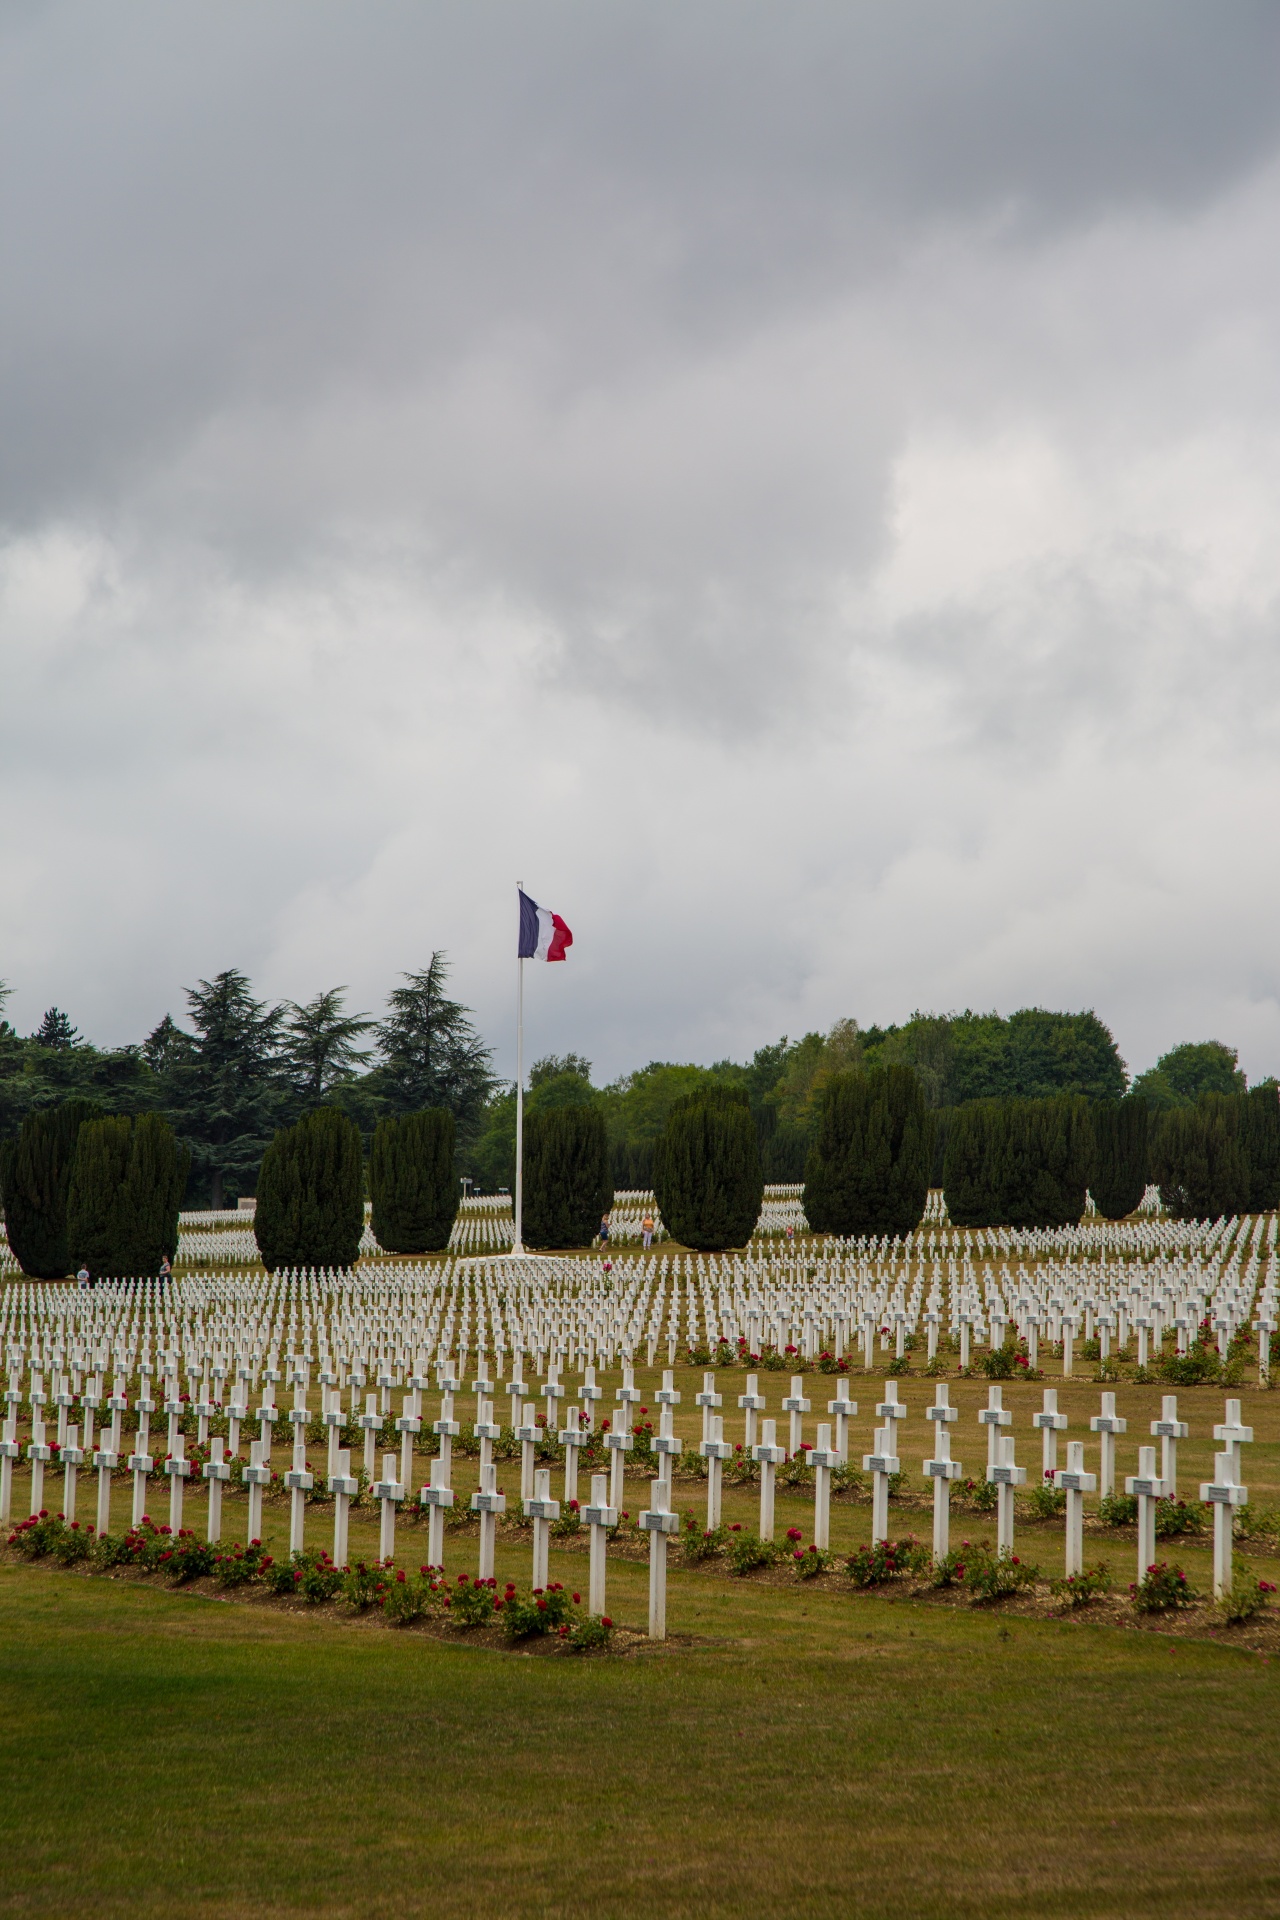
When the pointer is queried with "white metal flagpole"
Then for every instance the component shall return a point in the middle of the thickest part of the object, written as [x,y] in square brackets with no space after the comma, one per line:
[518,1243]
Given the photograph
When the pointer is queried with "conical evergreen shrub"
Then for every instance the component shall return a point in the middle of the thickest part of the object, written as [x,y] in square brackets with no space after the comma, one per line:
[124,1196]
[1122,1151]
[568,1185]
[974,1165]
[310,1210]
[1048,1158]
[869,1169]
[411,1182]
[35,1173]
[1260,1127]
[708,1180]
[1198,1159]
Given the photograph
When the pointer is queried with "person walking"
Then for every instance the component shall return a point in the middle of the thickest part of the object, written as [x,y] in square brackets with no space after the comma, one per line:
[166,1270]
[604,1231]
[646,1231]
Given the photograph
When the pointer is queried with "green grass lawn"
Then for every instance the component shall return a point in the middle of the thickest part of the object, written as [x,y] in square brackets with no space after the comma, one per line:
[791,1750]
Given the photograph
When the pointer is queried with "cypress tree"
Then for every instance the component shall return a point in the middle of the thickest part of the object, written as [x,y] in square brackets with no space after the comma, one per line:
[568,1186]
[1048,1157]
[411,1182]
[124,1195]
[1260,1124]
[35,1172]
[708,1180]
[1198,1159]
[310,1210]
[1121,1131]
[973,1169]
[869,1169]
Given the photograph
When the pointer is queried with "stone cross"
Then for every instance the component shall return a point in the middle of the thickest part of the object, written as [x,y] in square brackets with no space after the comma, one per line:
[481,1387]
[71,1457]
[797,1406]
[994,1416]
[823,1459]
[881,1464]
[217,1471]
[1075,1483]
[1264,1326]
[486,1431]
[256,1476]
[1069,1324]
[769,1456]
[38,1450]
[932,1322]
[389,1493]
[331,1414]
[1107,1424]
[659,1523]
[527,1435]
[106,1459]
[715,1450]
[890,1410]
[1225,1493]
[1148,1488]
[117,1407]
[752,1402]
[299,1483]
[844,1410]
[409,1426]
[571,1439]
[1142,1323]
[268,1412]
[488,1503]
[344,1487]
[90,1400]
[516,1392]
[178,1468]
[708,1400]
[942,1469]
[588,1394]
[1051,1423]
[1007,1475]
[618,1443]
[541,1509]
[1168,1429]
[371,1421]
[9,1452]
[598,1518]
[436,1497]
[665,1443]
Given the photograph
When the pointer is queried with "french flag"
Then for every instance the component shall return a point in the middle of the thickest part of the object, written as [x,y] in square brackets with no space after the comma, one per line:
[543,935]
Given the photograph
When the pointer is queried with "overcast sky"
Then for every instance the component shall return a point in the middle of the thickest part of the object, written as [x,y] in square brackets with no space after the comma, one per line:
[798,485]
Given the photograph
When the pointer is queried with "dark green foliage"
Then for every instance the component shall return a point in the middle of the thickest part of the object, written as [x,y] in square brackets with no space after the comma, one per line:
[320,1050]
[1260,1127]
[310,1209]
[1032,1055]
[1199,1160]
[567,1183]
[125,1192]
[1121,1133]
[222,1085]
[972,1169]
[56,1031]
[35,1172]
[869,1170]
[1018,1163]
[432,1055]
[1180,1076]
[707,1175]
[411,1182]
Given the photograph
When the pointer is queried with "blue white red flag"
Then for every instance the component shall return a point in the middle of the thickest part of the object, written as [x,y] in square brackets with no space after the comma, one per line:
[543,934]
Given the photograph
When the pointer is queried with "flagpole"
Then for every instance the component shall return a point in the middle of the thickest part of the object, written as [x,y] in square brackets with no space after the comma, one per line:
[518,1243]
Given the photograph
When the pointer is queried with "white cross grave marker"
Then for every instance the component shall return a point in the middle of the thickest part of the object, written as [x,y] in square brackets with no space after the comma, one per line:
[942,1469]
[659,1523]
[598,1517]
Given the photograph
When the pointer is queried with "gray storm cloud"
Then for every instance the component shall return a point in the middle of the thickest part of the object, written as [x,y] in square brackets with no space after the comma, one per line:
[795,486]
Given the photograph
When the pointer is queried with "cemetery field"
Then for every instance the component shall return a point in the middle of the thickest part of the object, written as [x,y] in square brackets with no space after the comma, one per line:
[795,1749]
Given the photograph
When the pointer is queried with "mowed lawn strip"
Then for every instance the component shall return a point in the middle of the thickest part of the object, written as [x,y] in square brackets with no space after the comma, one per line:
[163,1752]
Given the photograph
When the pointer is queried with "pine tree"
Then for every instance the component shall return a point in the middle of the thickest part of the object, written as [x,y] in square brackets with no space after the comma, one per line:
[35,1173]
[125,1193]
[1122,1148]
[707,1176]
[57,1032]
[432,1055]
[567,1184]
[411,1182]
[222,1085]
[319,1043]
[310,1210]
[1260,1125]
[973,1173]
[1199,1161]
[869,1169]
